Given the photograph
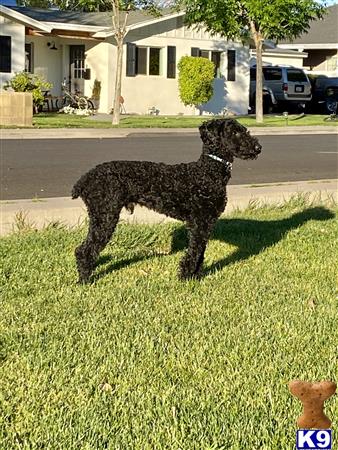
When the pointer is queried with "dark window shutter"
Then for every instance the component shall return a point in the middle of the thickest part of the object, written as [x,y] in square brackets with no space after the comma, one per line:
[5,54]
[131,60]
[171,62]
[216,59]
[154,61]
[195,51]
[231,65]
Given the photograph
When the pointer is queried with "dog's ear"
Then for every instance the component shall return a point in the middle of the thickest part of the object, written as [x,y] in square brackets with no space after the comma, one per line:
[229,124]
[231,127]
[204,132]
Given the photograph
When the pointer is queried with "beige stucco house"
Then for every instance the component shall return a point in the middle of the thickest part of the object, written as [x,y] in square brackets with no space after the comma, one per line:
[80,48]
[320,43]
[273,56]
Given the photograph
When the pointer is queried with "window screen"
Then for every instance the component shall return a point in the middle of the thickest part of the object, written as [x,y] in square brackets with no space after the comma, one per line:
[142,60]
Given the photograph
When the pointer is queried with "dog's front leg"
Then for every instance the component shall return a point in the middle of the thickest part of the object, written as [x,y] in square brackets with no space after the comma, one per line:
[192,262]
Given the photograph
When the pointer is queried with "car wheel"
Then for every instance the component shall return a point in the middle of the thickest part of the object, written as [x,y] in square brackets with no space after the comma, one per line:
[331,106]
[300,108]
[267,106]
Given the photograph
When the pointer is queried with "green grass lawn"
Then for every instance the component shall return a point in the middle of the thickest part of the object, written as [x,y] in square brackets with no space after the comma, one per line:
[138,360]
[55,120]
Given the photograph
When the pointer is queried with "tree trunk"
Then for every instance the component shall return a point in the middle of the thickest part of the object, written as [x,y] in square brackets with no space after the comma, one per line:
[259,79]
[118,81]
[258,39]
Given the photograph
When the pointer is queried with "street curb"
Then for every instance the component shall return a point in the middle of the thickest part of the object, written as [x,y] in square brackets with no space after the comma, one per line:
[109,133]
[39,213]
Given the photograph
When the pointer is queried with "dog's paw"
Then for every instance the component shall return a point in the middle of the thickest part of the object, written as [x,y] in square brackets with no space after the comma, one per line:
[185,276]
[83,280]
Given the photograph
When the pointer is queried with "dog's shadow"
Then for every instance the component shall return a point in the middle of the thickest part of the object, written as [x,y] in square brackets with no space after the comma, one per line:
[251,237]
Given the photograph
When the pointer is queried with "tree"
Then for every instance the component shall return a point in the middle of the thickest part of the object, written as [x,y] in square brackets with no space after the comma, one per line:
[195,81]
[256,19]
[121,10]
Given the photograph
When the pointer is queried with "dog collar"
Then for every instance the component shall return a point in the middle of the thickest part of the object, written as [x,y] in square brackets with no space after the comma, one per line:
[226,163]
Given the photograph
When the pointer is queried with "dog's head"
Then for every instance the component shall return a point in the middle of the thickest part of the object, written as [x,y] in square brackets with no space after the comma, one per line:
[228,139]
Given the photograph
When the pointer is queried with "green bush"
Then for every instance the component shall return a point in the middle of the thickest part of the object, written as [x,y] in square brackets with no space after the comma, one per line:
[26,82]
[195,80]
[96,91]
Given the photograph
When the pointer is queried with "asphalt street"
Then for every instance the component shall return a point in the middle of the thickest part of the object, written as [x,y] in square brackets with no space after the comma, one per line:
[48,168]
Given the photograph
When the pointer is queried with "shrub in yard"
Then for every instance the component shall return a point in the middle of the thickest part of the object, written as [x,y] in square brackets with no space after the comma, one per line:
[26,82]
[195,80]
[96,91]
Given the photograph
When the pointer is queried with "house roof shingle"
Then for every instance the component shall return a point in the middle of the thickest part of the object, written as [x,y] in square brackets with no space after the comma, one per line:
[103,19]
[322,31]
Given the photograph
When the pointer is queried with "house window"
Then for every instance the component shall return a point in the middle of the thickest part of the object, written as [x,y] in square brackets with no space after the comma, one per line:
[214,56]
[29,58]
[141,60]
[154,61]
[332,63]
[231,65]
[5,54]
[272,74]
[204,54]
[144,60]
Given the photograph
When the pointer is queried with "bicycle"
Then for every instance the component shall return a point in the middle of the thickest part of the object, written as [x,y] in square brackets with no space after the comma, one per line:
[332,106]
[74,100]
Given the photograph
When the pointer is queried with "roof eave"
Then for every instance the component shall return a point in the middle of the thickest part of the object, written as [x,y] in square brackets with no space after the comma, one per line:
[314,46]
[24,20]
[74,27]
[291,53]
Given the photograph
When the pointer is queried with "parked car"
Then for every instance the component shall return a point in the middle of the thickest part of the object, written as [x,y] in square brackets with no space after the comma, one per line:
[283,86]
[324,94]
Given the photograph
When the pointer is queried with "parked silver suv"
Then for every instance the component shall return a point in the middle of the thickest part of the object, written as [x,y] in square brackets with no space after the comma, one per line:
[284,86]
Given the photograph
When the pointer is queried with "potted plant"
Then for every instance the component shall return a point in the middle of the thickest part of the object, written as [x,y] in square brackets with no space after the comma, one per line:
[96,92]
[25,82]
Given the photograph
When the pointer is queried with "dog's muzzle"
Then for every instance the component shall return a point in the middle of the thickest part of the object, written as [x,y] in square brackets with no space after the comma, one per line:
[258,148]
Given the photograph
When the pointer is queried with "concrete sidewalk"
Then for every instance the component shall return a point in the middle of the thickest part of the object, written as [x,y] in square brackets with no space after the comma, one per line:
[70,212]
[108,133]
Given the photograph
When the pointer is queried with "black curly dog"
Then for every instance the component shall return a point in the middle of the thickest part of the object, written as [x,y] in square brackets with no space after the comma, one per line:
[193,192]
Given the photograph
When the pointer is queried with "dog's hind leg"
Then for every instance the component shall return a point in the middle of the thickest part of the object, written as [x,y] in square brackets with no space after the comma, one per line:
[191,263]
[102,224]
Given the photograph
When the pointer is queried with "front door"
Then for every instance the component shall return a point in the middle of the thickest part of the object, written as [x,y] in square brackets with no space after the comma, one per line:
[76,67]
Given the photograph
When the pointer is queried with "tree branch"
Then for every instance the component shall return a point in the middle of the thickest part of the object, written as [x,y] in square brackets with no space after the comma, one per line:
[126,19]
[115,13]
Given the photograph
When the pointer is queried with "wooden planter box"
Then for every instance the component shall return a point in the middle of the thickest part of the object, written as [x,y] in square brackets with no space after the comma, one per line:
[16,108]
